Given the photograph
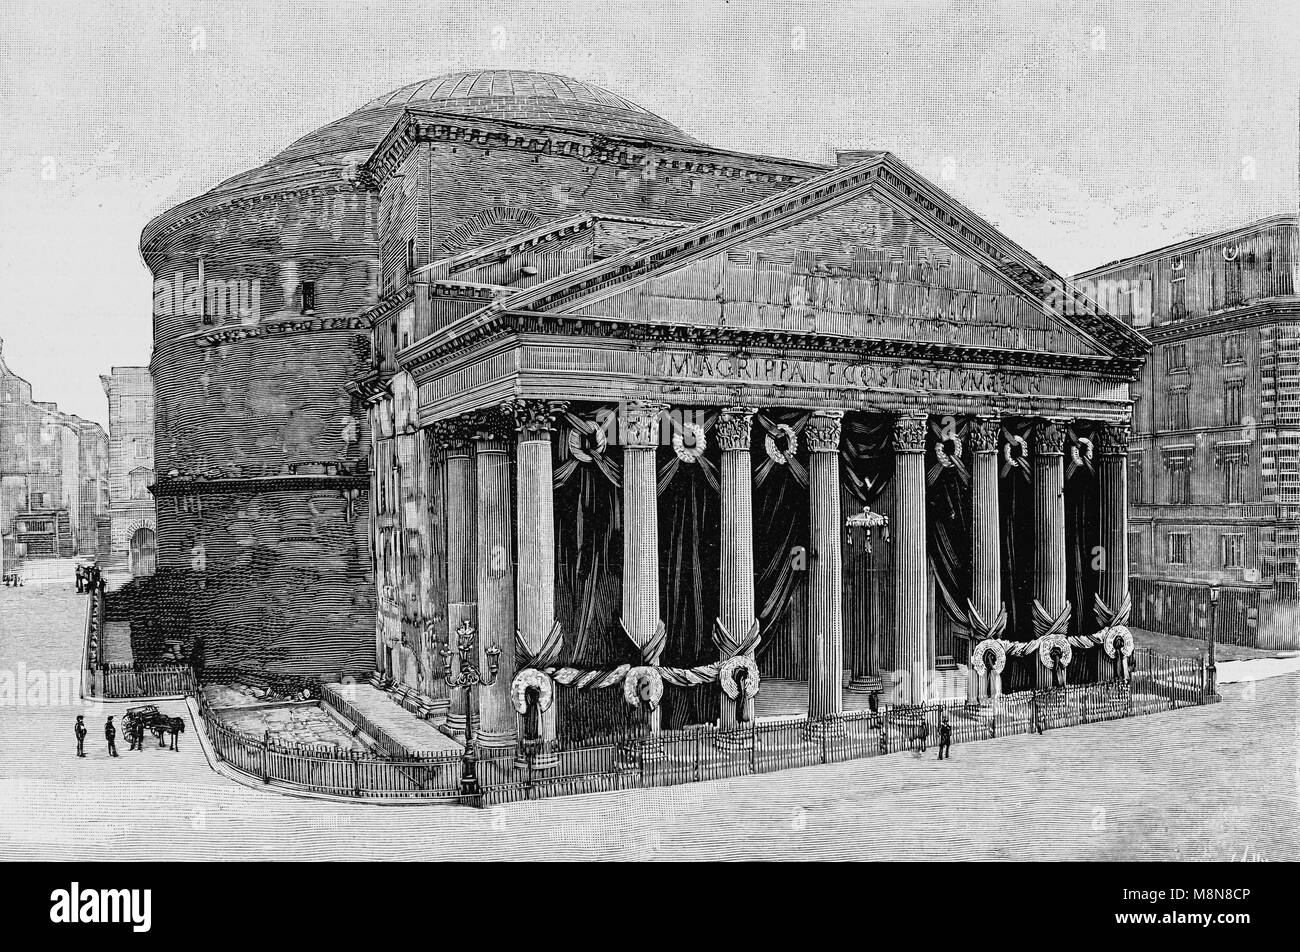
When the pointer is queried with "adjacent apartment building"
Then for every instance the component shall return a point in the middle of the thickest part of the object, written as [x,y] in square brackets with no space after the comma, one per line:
[53,475]
[130,467]
[1214,462]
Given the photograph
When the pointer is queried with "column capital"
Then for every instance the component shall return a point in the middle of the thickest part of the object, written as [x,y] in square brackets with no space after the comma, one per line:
[822,431]
[734,428]
[533,419]
[640,430]
[1049,437]
[1112,439]
[451,434]
[491,424]
[984,432]
[909,433]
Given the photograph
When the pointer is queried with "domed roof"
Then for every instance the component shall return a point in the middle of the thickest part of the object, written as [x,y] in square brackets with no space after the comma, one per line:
[538,98]
[507,94]
[545,98]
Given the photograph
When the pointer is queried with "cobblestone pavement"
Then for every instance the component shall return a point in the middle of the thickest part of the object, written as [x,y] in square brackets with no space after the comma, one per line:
[1217,782]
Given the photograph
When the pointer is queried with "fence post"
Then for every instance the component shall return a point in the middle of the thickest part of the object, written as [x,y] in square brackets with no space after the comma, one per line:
[266,741]
[356,774]
[823,732]
[753,745]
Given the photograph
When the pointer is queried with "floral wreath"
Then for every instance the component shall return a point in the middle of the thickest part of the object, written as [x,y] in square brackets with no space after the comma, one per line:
[1014,440]
[791,444]
[1045,646]
[630,683]
[943,457]
[727,676]
[532,678]
[693,453]
[575,443]
[999,654]
[1121,634]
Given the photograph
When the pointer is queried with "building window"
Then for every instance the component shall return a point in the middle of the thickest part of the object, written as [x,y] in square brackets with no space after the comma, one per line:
[308,296]
[1135,479]
[1233,545]
[410,256]
[1178,296]
[1234,349]
[1176,409]
[1176,358]
[1134,549]
[1232,402]
[1233,469]
[1180,548]
[1180,479]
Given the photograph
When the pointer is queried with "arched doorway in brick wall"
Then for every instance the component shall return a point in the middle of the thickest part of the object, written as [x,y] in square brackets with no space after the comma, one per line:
[144,547]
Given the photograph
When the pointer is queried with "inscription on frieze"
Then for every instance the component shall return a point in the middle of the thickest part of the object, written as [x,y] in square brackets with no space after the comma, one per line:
[794,371]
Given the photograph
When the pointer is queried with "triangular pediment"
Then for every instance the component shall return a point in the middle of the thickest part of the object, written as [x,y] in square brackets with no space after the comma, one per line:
[870,251]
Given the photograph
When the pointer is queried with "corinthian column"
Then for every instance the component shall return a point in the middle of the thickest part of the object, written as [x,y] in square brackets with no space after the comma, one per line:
[641,615]
[911,581]
[736,552]
[1112,479]
[1051,610]
[535,546]
[495,577]
[987,618]
[458,473]
[826,579]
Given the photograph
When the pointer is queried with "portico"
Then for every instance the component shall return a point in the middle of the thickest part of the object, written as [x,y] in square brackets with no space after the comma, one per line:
[678,439]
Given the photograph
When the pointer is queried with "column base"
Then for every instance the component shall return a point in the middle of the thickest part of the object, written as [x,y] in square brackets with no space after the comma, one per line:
[496,739]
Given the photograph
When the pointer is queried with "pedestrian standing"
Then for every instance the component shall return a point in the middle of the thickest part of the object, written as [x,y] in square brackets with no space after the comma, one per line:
[945,736]
[80,731]
[80,587]
[110,734]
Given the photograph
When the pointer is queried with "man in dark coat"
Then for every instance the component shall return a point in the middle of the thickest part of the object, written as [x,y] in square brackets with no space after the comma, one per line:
[80,731]
[945,737]
[110,734]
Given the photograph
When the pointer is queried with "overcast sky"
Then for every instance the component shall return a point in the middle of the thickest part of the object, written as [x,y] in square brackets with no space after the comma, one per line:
[1086,131]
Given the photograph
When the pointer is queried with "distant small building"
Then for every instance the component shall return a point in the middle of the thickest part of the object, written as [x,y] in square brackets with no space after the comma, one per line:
[53,471]
[1214,464]
[130,465]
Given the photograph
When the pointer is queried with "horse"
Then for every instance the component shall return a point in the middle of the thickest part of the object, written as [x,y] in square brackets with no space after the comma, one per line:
[168,725]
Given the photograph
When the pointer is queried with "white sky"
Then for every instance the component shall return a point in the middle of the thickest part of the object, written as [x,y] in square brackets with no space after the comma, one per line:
[1086,131]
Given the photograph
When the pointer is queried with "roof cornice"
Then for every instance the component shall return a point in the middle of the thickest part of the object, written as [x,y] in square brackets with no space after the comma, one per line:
[490,325]
[1195,243]
[424,125]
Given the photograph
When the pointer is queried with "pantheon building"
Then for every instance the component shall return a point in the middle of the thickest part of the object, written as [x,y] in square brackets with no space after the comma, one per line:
[502,358]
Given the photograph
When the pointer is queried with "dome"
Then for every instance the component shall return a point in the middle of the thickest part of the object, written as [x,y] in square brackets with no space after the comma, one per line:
[509,94]
[545,98]
[506,94]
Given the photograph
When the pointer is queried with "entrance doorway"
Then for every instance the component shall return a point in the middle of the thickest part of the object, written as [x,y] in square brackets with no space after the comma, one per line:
[144,548]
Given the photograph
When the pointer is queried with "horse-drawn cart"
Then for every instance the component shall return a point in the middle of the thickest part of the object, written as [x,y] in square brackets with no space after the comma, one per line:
[154,721]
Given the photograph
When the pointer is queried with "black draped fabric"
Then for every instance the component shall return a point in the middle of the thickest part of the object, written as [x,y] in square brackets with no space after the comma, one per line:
[1082,547]
[588,540]
[866,456]
[1016,508]
[780,527]
[948,529]
[689,519]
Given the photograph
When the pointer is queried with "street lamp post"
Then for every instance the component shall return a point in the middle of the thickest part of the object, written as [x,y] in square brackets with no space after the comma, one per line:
[468,676]
[1210,669]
